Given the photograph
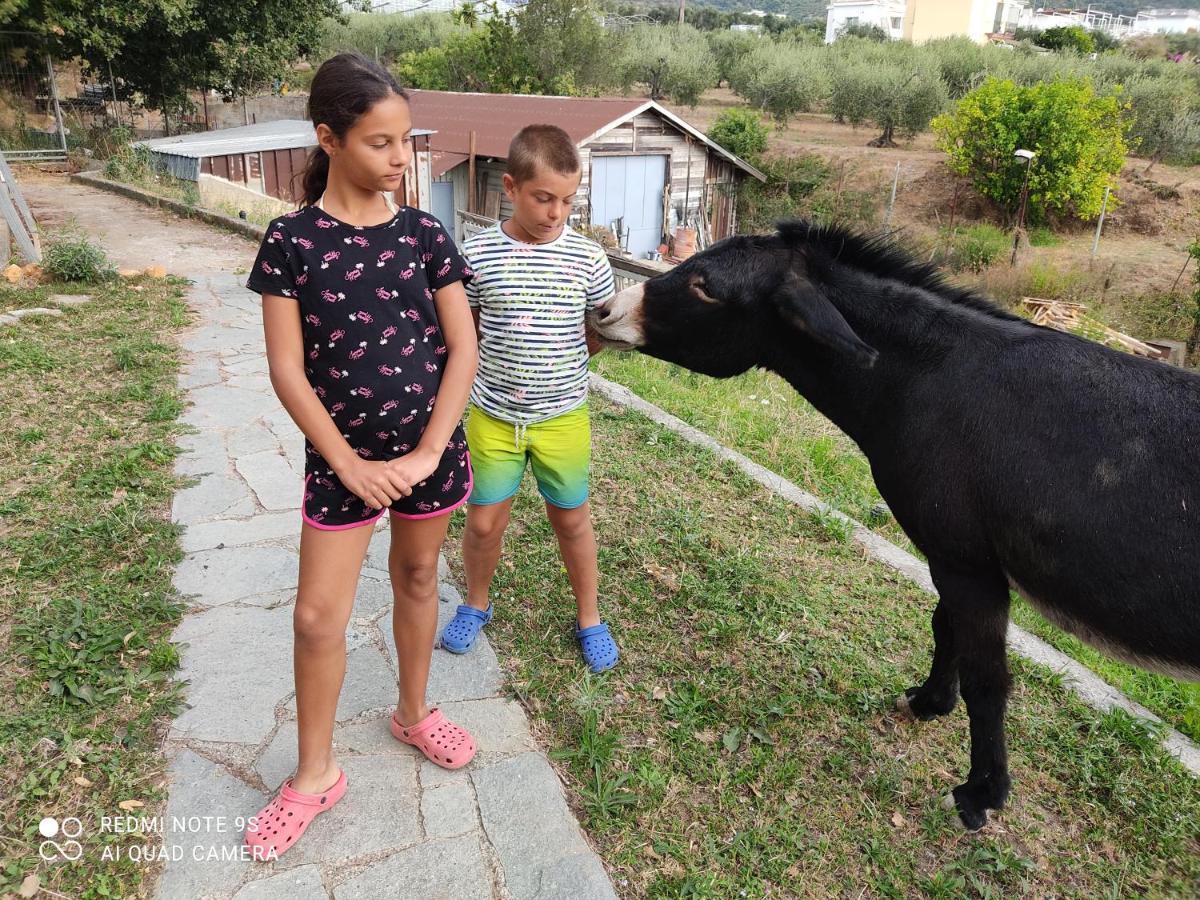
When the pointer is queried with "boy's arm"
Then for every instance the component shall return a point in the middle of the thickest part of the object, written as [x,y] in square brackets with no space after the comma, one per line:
[600,291]
[475,317]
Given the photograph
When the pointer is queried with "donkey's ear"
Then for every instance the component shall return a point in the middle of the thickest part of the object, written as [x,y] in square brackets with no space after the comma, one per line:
[809,311]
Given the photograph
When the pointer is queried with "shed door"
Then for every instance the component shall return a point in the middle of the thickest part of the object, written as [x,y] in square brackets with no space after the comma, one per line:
[631,188]
[443,203]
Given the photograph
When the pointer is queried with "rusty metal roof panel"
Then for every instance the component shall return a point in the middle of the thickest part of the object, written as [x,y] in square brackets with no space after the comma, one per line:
[495,118]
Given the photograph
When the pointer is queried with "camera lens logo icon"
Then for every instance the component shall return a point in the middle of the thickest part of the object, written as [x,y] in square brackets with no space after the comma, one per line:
[69,828]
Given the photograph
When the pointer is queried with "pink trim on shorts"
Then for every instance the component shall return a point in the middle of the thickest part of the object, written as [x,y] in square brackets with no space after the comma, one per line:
[320,527]
[448,509]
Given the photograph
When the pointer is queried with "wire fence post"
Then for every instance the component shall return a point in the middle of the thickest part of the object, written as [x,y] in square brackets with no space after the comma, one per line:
[1100,224]
[887,220]
[58,116]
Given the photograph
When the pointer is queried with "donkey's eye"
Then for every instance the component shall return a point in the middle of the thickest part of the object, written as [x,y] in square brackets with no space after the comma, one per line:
[697,287]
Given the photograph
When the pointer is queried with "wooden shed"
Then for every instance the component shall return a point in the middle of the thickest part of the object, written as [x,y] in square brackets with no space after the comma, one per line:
[268,158]
[644,168]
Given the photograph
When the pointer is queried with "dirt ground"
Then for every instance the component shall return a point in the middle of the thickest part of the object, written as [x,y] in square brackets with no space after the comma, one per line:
[192,247]
[1142,247]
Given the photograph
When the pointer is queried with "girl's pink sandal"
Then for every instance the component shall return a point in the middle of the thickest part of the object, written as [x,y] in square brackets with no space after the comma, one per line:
[444,743]
[282,821]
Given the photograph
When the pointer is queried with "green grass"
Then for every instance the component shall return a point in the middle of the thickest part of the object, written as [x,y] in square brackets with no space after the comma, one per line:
[1043,237]
[86,556]
[792,439]
[746,746]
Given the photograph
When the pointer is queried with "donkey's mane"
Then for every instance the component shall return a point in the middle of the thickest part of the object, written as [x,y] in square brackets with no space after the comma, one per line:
[878,255]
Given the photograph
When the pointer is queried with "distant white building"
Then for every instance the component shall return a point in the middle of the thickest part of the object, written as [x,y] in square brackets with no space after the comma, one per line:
[1091,19]
[1094,18]
[1166,21]
[885,14]
[413,7]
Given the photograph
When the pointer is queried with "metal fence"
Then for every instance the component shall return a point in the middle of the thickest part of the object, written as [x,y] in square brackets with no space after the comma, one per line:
[44,107]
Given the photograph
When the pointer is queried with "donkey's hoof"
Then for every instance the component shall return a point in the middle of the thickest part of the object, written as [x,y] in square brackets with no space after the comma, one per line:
[923,705]
[968,819]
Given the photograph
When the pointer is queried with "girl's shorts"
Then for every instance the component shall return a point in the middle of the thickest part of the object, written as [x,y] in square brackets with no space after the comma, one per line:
[330,506]
[559,451]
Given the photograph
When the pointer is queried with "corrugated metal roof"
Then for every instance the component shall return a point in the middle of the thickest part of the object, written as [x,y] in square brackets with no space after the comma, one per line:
[495,118]
[283,134]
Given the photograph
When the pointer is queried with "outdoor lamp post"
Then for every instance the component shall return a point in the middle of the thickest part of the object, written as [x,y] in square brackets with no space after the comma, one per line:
[1027,156]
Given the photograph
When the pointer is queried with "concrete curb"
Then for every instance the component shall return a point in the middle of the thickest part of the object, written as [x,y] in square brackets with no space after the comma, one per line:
[229,223]
[1093,690]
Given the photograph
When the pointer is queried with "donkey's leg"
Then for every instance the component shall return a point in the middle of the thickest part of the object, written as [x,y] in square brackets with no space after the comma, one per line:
[978,610]
[939,693]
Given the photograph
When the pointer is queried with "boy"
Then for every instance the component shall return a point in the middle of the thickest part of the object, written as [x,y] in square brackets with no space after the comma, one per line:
[535,278]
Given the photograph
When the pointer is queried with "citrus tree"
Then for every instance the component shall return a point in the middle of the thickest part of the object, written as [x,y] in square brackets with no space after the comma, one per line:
[1078,138]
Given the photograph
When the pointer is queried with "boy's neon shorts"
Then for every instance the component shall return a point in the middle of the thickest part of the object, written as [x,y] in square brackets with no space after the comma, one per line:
[559,451]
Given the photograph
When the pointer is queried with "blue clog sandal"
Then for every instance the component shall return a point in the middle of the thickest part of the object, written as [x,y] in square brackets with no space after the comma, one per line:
[460,632]
[599,649]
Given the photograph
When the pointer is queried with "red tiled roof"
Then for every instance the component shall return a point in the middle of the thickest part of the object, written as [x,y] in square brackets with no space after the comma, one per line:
[495,118]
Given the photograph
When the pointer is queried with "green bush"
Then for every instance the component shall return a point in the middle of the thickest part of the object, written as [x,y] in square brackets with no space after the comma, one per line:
[1079,139]
[1043,237]
[802,186]
[75,258]
[741,132]
[973,248]
[131,164]
[1067,37]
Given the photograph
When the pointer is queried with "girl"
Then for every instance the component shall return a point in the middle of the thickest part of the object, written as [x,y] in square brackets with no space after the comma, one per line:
[367,325]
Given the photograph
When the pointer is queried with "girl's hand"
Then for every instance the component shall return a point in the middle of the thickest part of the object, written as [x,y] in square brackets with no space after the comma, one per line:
[377,483]
[415,467]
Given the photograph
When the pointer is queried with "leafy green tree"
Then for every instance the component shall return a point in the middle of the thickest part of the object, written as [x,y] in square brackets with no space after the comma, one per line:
[1078,138]
[1164,118]
[782,78]
[163,49]
[672,61]
[387,37]
[897,91]
[741,132]
[728,48]
[565,45]
[489,58]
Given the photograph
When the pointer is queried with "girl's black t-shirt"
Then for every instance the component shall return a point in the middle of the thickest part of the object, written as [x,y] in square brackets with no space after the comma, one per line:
[374,353]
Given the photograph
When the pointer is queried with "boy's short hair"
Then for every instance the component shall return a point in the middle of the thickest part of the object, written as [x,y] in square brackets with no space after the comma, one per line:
[538,147]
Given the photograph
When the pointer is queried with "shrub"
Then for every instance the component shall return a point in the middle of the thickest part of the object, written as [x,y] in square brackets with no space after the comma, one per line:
[75,258]
[973,248]
[1079,139]
[741,132]
[802,186]
[1067,37]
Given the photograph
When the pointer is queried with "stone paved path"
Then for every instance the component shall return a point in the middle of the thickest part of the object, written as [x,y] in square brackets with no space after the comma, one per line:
[498,828]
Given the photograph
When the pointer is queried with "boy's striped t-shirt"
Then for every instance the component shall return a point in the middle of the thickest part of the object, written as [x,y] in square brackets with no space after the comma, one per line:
[532,298]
